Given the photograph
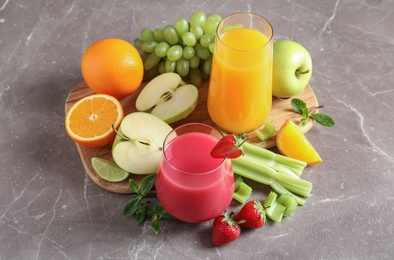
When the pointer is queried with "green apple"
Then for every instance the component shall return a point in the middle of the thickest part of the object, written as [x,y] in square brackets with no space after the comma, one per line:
[292,68]
[168,97]
[137,147]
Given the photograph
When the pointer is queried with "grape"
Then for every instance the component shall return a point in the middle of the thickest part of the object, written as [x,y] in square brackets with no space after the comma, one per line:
[170,65]
[197,31]
[181,26]
[198,19]
[211,47]
[182,67]
[188,52]
[147,35]
[174,53]
[207,66]
[217,17]
[161,49]
[185,48]
[158,34]
[189,39]
[152,73]
[151,61]
[210,26]
[194,62]
[202,52]
[233,26]
[205,40]
[162,67]
[137,43]
[148,46]
[170,34]
[144,56]
[195,76]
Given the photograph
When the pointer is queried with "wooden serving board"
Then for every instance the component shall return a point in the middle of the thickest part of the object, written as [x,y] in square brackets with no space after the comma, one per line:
[281,110]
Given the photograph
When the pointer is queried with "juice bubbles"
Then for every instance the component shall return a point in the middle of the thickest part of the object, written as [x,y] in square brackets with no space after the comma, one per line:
[240,89]
[190,184]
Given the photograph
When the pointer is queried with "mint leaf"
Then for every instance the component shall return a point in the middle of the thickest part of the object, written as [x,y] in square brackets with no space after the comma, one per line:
[155,225]
[139,204]
[132,206]
[147,184]
[323,119]
[134,186]
[161,212]
[299,106]
[143,213]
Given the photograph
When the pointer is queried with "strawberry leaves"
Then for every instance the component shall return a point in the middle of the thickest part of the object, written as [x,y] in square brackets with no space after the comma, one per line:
[230,146]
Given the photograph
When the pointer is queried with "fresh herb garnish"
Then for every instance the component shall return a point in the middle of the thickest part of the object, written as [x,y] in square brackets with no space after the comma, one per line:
[299,106]
[139,206]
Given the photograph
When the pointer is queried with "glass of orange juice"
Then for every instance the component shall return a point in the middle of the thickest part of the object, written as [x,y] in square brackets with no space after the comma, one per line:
[240,87]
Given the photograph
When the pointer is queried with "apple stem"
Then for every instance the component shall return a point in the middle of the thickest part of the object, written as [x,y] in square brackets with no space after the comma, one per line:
[302,72]
[118,133]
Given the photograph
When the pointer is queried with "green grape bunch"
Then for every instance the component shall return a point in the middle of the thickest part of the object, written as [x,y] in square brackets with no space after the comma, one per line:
[185,48]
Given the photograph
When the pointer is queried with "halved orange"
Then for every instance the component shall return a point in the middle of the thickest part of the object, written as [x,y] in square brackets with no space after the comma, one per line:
[292,142]
[89,121]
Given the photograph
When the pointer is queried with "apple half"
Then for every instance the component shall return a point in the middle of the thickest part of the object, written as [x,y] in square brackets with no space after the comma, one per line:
[137,147]
[168,97]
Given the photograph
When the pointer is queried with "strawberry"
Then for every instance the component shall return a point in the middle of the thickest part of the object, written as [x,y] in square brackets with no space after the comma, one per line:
[225,229]
[229,146]
[252,214]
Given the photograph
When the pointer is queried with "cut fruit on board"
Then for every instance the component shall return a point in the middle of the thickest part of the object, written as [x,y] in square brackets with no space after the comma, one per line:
[280,112]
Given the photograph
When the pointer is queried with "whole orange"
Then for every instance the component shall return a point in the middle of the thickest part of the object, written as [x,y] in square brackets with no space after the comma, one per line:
[112,66]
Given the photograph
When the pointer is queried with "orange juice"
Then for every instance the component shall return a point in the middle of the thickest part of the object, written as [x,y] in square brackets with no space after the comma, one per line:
[240,90]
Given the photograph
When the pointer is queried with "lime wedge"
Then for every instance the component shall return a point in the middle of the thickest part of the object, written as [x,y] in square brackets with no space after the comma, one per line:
[108,170]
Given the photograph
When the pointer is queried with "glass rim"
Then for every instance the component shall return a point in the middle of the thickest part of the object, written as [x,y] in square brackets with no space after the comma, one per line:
[248,13]
[169,142]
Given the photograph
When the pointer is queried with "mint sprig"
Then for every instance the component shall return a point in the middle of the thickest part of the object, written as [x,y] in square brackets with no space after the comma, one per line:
[139,206]
[300,107]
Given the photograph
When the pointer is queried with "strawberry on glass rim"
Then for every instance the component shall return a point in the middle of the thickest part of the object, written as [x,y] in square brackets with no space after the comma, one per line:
[229,146]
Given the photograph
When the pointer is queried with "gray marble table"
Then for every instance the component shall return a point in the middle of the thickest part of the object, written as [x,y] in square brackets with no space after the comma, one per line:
[49,207]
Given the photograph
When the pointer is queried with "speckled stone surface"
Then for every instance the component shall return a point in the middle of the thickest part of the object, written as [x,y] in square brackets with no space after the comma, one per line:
[49,207]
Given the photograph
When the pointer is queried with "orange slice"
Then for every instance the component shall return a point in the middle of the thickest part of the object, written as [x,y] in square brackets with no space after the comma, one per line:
[89,121]
[292,142]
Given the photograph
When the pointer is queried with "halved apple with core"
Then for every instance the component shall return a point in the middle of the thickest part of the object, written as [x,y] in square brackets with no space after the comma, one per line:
[137,147]
[168,97]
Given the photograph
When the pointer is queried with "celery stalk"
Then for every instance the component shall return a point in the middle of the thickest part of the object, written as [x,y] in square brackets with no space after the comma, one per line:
[243,193]
[295,185]
[289,202]
[259,173]
[237,182]
[270,200]
[281,190]
[280,182]
[272,159]
[273,209]
[267,175]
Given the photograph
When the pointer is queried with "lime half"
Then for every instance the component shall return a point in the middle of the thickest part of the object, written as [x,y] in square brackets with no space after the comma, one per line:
[108,170]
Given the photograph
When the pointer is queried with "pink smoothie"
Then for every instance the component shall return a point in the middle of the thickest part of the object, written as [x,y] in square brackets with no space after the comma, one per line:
[191,185]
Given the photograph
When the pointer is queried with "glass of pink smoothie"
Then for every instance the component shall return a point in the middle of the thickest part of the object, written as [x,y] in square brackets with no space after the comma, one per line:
[190,184]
